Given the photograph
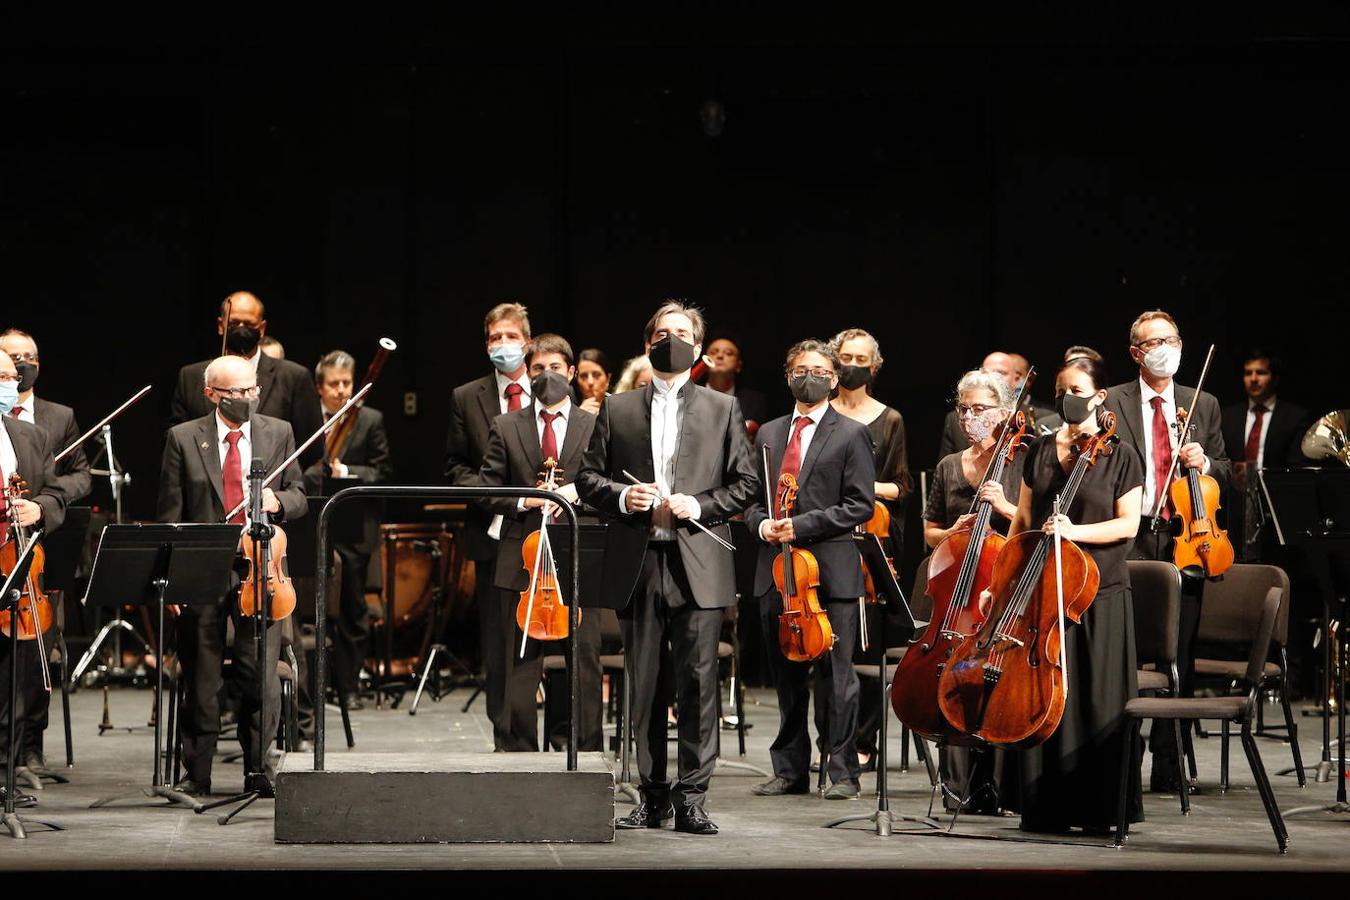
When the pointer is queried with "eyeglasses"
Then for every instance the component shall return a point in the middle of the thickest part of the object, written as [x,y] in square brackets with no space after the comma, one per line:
[817,371]
[7,377]
[23,357]
[977,409]
[1171,341]
[238,393]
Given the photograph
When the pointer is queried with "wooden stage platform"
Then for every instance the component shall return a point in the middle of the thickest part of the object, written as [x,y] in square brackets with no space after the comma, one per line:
[763,841]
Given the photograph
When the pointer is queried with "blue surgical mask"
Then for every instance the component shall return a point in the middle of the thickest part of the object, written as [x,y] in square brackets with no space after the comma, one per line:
[507,358]
[9,396]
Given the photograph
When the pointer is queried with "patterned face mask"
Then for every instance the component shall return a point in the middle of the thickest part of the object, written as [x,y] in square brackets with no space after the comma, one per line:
[978,427]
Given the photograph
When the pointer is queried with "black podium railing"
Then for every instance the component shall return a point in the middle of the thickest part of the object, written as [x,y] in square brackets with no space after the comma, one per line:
[323,569]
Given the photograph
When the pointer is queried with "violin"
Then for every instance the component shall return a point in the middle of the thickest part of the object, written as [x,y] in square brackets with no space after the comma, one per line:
[277,583]
[1201,546]
[542,614]
[804,631]
[959,571]
[34,609]
[880,527]
[1005,684]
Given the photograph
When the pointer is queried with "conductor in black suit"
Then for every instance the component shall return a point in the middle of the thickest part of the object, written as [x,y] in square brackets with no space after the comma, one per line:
[71,481]
[363,456]
[552,427]
[26,451]
[1146,415]
[1262,431]
[671,582]
[473,406]
[831,457]
[204,475]
[285,388]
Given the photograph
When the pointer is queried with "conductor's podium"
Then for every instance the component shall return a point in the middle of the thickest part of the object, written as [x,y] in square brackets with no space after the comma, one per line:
[426,798]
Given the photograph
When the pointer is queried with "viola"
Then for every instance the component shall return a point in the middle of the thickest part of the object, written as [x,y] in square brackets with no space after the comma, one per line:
[1005,683]
[34,608]
[277,584]
[880,527]
[542,613]
[804,631]
[1201,546]
[959,571]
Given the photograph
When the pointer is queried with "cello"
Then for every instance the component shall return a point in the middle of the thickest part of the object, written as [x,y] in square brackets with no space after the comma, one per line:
[804,631]
[959,571]
[34,609]
[542,613]
[1005,684]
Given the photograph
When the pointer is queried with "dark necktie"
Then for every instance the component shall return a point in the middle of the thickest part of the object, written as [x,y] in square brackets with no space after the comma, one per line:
[4,507]
[16,412]
[513,392]
[232,477]
[1162,453]
[1253,451]
[792,457]
[548,444]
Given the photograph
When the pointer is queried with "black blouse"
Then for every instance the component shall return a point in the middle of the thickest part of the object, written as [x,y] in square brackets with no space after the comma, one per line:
[1109,479]
[951,496]
[892,462]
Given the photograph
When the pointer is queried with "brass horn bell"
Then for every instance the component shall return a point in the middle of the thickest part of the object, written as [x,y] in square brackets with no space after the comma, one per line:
[1329,437]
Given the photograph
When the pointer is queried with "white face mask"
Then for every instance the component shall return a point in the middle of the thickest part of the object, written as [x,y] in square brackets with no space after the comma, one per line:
[1163,361]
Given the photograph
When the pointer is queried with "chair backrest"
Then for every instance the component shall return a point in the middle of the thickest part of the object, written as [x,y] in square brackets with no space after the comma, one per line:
[1230,609]
[920,603]
[1155,592]
[1269,610]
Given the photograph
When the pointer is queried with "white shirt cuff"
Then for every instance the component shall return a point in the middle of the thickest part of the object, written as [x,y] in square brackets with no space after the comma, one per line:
[698,510]
[761,530]
[623,499]
[341,470]
[1204,470]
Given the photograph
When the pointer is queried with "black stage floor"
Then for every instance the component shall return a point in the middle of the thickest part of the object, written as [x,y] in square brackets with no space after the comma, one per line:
[779,838]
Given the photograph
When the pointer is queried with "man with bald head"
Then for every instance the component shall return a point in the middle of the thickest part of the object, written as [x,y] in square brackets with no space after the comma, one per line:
[285,390]
[204,474]
[1013,368]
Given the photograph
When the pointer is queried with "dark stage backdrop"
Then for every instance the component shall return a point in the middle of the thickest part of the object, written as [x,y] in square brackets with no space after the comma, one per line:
[953,196]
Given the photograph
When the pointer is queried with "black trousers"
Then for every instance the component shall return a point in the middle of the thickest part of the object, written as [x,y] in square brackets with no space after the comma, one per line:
[512,682]
[352,634]
[590,711]
[34,701]
[201,648]
[836,719]
[662,613]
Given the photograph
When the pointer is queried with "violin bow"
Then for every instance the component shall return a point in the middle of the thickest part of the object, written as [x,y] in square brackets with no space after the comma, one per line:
[692,521]
[1182,434]
[323,429]
[104,421]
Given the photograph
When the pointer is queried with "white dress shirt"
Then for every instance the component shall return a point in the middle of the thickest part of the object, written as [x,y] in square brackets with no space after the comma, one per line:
[26,414]
[1269,404]
[245,453]
[808,432]
[564,411]
[9,460]
[503,381]
[665,435]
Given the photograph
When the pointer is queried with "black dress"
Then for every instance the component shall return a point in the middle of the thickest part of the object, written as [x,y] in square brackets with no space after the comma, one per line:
[1074,777]
[951,496]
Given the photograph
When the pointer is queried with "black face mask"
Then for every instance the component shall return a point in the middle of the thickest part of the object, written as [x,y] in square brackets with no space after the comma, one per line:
[809,389]
[28,373]
[549,387]
[238,409]
[1072,408]
[242,340]
[854,377]
[671,354]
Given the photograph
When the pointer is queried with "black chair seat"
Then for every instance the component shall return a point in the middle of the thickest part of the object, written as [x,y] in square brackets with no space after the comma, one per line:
[895,654]
[612,661]
[1230,708]
[555,663]
[1153,681]
[1234,669]
[866,670]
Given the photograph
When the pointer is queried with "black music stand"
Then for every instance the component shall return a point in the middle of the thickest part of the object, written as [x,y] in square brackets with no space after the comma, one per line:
[181,565]
[874,559]
[12,592]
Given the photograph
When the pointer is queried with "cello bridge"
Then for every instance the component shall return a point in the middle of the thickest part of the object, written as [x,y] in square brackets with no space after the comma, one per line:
[1009,638]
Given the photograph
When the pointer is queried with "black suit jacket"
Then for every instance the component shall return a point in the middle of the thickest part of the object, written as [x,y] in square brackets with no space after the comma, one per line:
[33,454]
[366,453]
[1284,433]
[712,464]
[190,487]
[513,459]
[72,472]
[286,391]
[1123,400]
[836,492]
[473,406]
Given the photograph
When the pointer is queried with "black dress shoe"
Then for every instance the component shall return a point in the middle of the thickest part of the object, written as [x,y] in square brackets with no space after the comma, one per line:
[691,819]
[21,800]
[193,788]
[843,790]
[777,786]
[646,815]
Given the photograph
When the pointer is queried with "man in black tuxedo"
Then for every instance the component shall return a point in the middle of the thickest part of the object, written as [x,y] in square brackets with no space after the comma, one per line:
[285,390]
[1263,431]
[364,456]
[26,451]
[1146,414]
[57,422]
[830,456]
[204,474]
[687,448]
[473,406]
[552,427]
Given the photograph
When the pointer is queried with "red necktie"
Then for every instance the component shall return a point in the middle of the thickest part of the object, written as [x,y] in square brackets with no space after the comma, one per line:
[792,457]
[14,413]
[513,392]
[1162,454]
[232,476]
[548,445]
[1253,451]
